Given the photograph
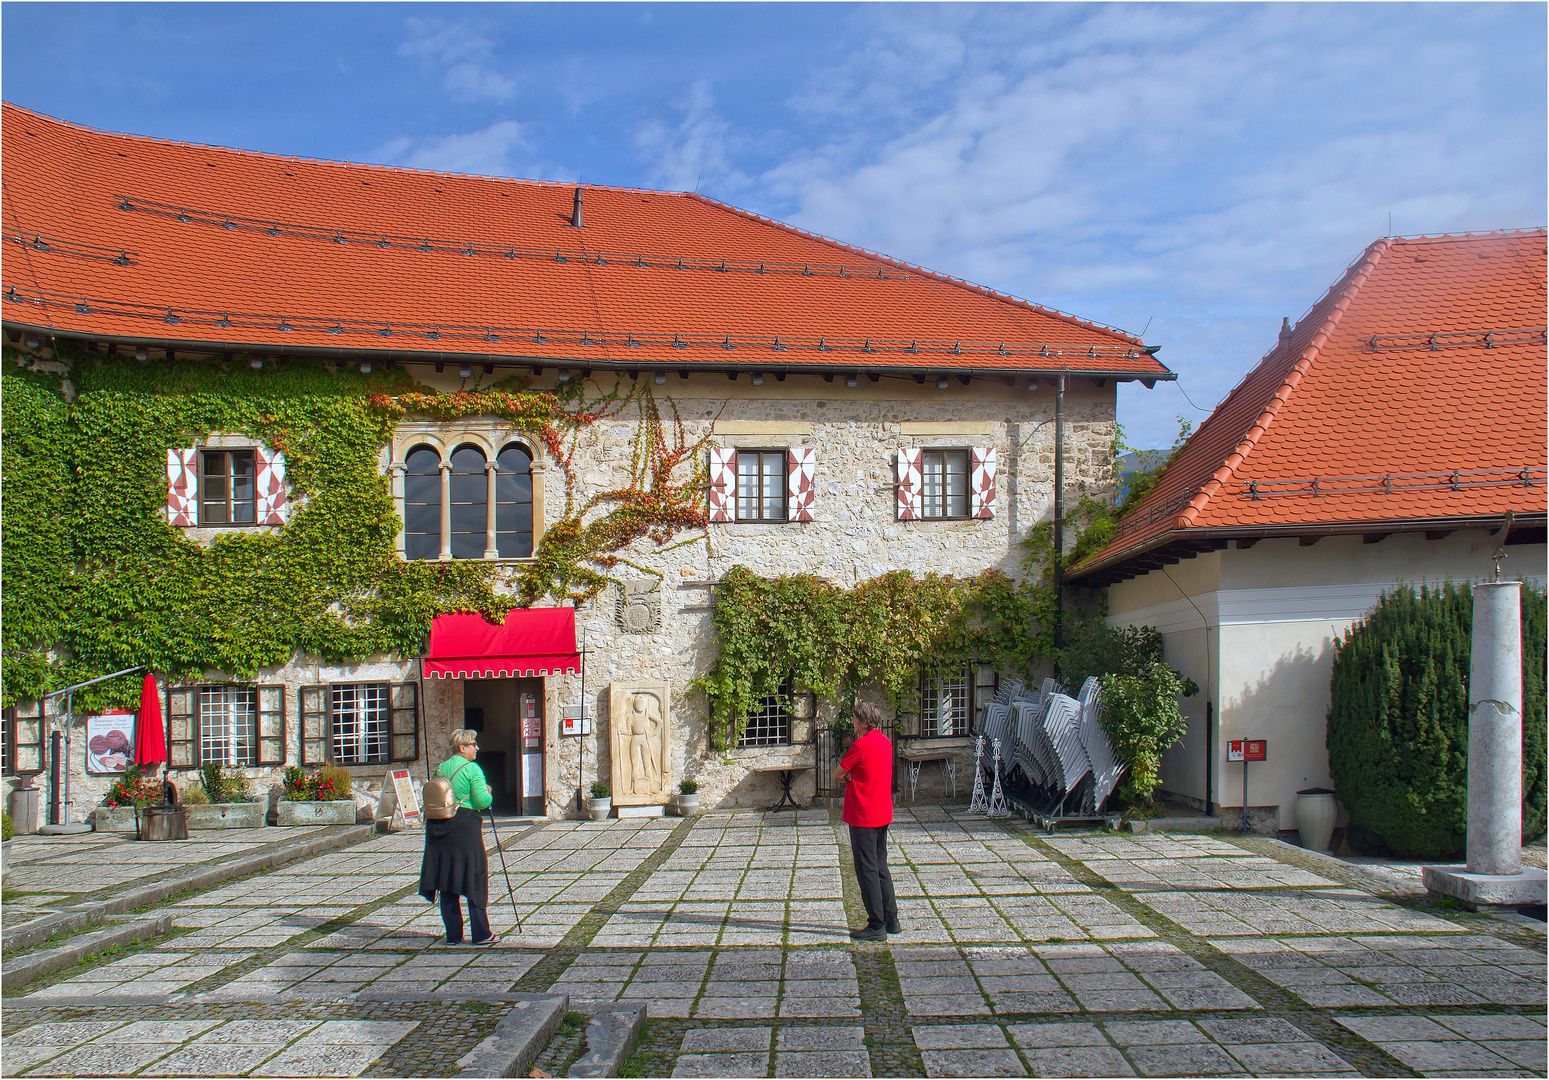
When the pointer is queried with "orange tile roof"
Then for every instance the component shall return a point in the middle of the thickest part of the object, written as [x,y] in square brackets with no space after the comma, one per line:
[1414,391]
[114,236]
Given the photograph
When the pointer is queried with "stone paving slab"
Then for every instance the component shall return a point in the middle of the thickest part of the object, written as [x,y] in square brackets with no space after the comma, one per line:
[1087,954]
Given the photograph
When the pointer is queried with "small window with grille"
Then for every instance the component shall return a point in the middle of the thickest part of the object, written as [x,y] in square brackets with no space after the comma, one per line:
[359,723]
[227,492]
[945,706]
[770,723]
[944,483]
[228,725]
[761,485]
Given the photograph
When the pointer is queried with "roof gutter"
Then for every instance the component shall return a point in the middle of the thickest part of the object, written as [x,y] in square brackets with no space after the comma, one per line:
[773,367]
[1273,532]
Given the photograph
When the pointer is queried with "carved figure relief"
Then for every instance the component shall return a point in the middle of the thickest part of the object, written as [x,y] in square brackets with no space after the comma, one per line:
[639,606]
[638,733]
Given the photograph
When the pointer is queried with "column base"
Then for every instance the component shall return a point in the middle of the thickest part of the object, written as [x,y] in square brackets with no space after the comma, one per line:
[1486,891]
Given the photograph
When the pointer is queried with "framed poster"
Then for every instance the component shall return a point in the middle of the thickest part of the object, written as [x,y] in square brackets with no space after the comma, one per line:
[109,743]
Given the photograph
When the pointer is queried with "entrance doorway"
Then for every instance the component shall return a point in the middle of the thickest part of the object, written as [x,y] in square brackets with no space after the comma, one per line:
[508,715]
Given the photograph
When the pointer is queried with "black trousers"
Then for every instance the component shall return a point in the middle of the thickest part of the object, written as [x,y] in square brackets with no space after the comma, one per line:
[452,915]
[870,848]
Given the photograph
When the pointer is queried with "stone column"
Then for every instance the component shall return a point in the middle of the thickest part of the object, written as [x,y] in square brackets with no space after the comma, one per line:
[1495,730]
[491,550]
[397,470]
[446,509]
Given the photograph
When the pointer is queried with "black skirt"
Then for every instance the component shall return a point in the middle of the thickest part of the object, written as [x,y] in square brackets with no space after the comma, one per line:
[454,859]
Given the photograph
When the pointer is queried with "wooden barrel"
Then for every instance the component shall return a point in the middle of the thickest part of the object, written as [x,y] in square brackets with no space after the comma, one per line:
[163,823]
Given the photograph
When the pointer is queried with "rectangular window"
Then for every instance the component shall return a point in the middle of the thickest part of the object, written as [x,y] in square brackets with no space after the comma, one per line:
[24,739]
[944,483]
[228,725]
[986,682]
[945,706]
[359,724]
[227,491]
[761,485]
[770,723]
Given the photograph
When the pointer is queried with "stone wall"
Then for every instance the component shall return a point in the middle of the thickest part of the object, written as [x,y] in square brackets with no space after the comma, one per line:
[854,535]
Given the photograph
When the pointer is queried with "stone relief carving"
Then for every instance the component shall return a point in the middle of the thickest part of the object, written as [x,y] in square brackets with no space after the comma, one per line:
[639,741]
[639,606]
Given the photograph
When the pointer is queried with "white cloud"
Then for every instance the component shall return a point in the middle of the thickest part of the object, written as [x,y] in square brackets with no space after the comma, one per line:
[463,55]
[685,156]
[488,152]
[1214,167]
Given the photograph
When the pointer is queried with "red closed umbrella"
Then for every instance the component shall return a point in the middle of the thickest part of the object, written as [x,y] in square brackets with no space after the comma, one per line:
[150,739]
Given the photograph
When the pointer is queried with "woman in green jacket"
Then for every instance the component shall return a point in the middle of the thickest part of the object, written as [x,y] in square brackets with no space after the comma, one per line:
[454,864]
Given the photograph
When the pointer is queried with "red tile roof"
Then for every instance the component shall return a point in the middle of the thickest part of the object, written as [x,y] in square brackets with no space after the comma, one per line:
[1414,391]
[114,236]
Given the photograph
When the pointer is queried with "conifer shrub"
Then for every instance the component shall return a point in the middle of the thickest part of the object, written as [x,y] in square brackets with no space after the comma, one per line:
[1398,721]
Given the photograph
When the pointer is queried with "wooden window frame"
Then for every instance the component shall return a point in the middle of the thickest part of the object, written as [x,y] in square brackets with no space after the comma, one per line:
[184,741]
[227,451]
[784,455]
[403,722]
[943,453]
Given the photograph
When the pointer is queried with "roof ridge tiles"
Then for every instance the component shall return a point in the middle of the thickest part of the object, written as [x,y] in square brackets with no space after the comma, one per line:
[1009,299]
[1363,270]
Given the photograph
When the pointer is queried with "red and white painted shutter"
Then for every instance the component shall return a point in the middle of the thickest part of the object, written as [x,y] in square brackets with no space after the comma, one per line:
[723,482]
[801,483]
[271,508]
[183,487]
[909,484]
[982,493]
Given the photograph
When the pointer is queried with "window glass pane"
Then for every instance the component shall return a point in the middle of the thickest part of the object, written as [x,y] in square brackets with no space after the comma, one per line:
[242,486]
[228,725]
[956,484]
[470,504]
[944,707]
[747,487]
[359,724]
[774,487]
[513,504]
[422,504]
[931,484]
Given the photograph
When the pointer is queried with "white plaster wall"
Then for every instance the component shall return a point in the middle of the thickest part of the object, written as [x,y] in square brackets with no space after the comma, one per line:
[1277,609]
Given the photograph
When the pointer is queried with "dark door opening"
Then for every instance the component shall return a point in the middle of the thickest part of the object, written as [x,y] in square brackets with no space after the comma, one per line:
[508,714]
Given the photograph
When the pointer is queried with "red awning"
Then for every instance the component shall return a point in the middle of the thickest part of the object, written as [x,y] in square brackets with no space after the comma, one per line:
[533,641]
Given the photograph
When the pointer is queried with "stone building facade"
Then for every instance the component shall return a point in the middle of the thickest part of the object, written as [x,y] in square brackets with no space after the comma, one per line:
[833,373]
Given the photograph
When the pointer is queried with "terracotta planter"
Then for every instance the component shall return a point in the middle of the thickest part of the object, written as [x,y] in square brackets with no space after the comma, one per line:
[332,812]
[1316,811]
[600,808]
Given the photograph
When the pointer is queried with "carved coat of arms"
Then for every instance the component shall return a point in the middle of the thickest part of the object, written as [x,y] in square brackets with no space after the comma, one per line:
[639,606]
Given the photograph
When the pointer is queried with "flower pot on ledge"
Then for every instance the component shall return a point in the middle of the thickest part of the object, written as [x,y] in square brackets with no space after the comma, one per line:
[240,815]
[600,808]
[688,805]
[310,812]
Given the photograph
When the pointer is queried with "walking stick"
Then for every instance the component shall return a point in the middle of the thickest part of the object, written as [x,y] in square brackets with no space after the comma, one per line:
[504,872]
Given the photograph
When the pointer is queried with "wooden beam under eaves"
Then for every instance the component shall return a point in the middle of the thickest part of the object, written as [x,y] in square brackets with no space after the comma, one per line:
[1374,538]
[1307,541]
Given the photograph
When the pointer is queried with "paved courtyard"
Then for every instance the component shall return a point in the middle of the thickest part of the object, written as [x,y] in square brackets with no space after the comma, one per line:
[1022,954]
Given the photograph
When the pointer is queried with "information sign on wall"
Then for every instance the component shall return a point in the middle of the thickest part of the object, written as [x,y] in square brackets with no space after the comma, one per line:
[109,742]
[532,723]
[571,721]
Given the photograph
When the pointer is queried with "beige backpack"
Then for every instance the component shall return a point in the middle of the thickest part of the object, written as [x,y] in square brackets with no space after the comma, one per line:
[438,799]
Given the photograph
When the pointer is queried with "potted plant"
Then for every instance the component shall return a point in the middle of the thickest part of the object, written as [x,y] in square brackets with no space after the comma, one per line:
[316,798]
[130,793]
[688,798]
[601,802]
[221,800]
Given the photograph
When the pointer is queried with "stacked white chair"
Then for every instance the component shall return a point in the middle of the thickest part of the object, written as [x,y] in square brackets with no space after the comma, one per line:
[1062,725]
[1107,770]
[1029,715]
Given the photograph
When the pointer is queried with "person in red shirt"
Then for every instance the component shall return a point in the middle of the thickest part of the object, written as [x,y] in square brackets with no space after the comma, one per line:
[867,773]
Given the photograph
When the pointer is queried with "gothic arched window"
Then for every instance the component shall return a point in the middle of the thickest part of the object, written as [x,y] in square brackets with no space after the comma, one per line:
[513,503]
[470,503]
[422,504]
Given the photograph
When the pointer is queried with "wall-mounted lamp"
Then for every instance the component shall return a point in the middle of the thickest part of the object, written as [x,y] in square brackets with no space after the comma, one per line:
[32,341]
[661,378]
[758,379]
[465,372]
[941,382]
[849,380]
[1032,384]
[140,353]
[256,363]
[564,374]
[365,367]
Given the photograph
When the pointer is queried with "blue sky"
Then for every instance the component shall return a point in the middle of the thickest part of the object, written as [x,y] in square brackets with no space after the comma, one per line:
[1196,171]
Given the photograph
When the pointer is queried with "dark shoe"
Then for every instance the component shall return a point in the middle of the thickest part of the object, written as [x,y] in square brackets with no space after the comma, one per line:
[894,928]
[869,933]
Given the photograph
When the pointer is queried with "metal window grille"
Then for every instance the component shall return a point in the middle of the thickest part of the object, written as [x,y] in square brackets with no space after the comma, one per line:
[944,707]
[228,725]
[227,491]
[359,723]
[770,723]
[944,483]
[761,485]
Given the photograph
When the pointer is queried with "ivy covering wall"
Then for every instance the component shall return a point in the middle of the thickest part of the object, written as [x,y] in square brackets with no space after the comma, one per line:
[95,580]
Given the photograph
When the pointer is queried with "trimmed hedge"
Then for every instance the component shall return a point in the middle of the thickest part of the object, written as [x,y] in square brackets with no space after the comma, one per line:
[1398,721]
